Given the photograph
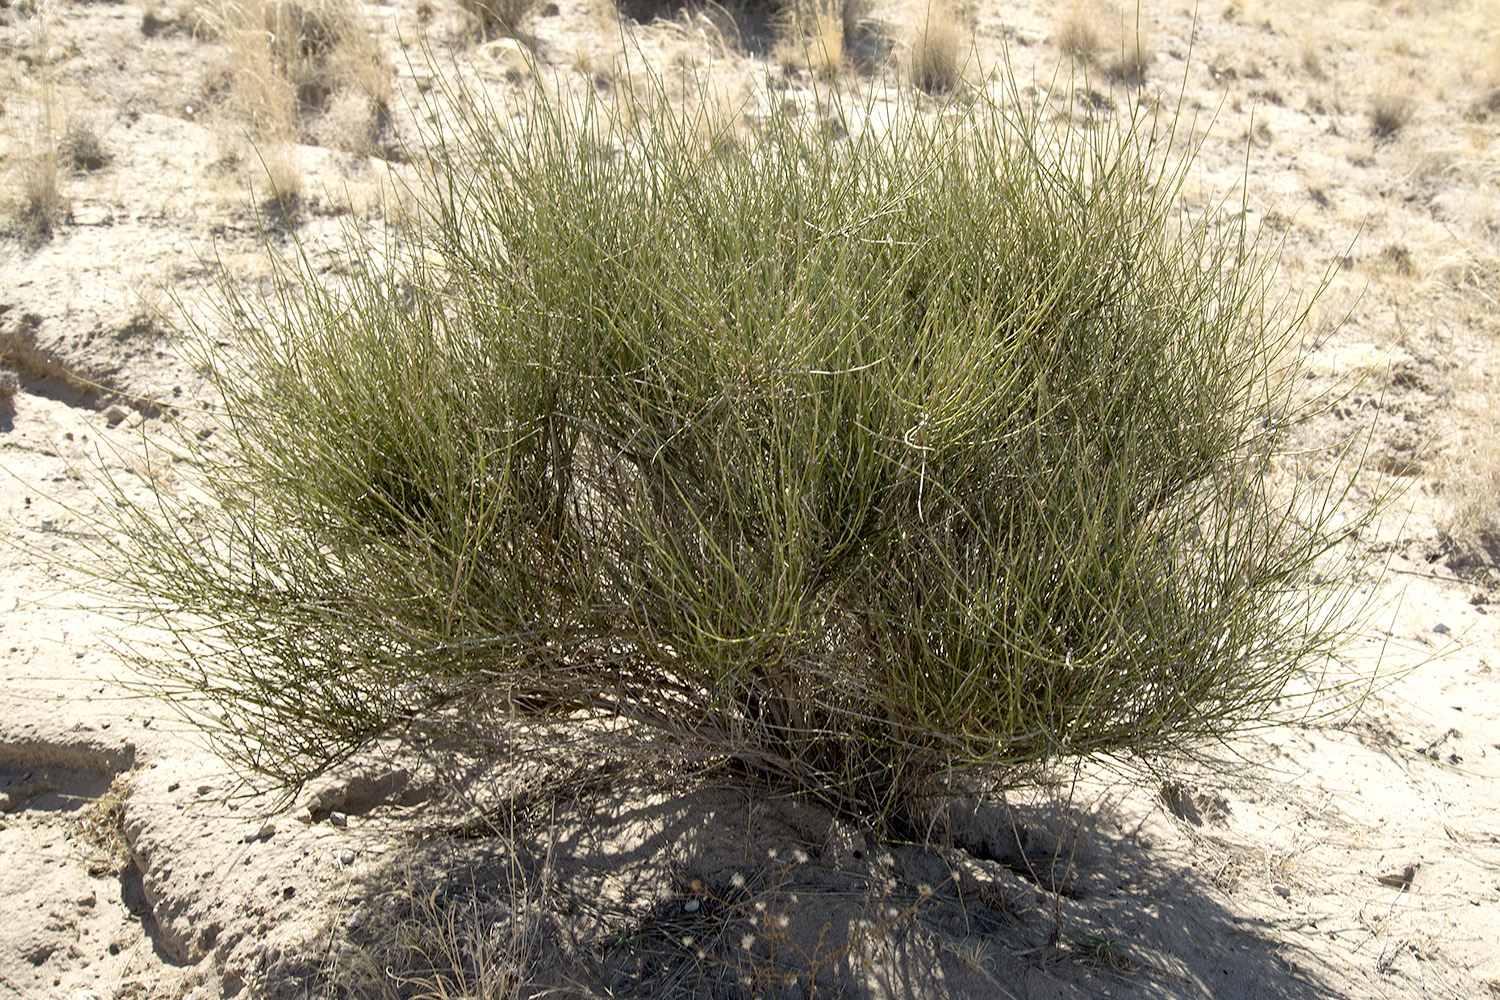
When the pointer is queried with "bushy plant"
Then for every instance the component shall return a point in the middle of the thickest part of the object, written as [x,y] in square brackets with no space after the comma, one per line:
[938,449]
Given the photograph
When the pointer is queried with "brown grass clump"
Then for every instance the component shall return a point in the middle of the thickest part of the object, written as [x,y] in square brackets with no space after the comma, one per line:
[1081,32]
[42,203]
[1390,110]
[936,35]
[1135,53]
[84,146]
[445,941]
[1474,487]
[815,35]
[1078,34]
[288,60]
[505,15]
[281,176]
[99,831]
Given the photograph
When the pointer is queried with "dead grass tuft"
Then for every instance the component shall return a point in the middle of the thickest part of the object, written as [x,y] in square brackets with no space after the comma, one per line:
[1399,259]
[815,34]
[99,831]
[505,15]
[42,203]
[1078,35]
[83,145]
[1134,55]
[1081,33]
[288,60]
[936,44]
[1390,110]
[446,939]
[280,192]
[1474,485]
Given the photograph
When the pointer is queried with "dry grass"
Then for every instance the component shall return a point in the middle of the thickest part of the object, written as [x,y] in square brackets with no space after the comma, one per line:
[1082,30]
[815,34]
[1310,55]
[1077,33]
[935,58]
[289,60]
[83,144]
[1474,486]
[1391,108]
[280,188]
[1134,54]
[451,939]
[40,204]
[505,15]
[98,831]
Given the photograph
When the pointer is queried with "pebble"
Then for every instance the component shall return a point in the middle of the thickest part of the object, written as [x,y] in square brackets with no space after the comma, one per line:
[1284,891]
[344,857]
[1442,629]
[356,920]
[262,831]
[338,819]
[691,906]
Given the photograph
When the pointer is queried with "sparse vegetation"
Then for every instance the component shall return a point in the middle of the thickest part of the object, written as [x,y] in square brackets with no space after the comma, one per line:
[506,15]
[887,467]
[1135,54]
[290,58]
[1080,36]
[1077,33]
[42,203]
[815,35]
[936,47]
[35,171]
[1390,110]
[99,830]
[83,145]
[443,941]
[1473,485]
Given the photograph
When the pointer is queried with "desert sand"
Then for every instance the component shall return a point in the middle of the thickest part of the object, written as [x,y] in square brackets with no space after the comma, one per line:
[1360,858]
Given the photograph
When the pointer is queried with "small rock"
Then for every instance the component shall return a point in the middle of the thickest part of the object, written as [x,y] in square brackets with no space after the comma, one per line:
[1442,629]
[1284,891]
[356,920]
[691,906]
[114,415]
[344,857]
[263,831]
[338,819]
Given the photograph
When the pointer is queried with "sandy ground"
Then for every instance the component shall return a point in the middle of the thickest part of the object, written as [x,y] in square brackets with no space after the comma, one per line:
[1359,860]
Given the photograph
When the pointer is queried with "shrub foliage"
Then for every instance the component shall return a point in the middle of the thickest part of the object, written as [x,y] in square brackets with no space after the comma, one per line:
[940,447]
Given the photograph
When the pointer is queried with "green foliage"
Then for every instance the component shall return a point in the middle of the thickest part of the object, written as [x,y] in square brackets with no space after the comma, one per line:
[944,449]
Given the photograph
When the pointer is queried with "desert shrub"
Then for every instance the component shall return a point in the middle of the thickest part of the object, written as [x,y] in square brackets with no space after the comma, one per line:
[931,454]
